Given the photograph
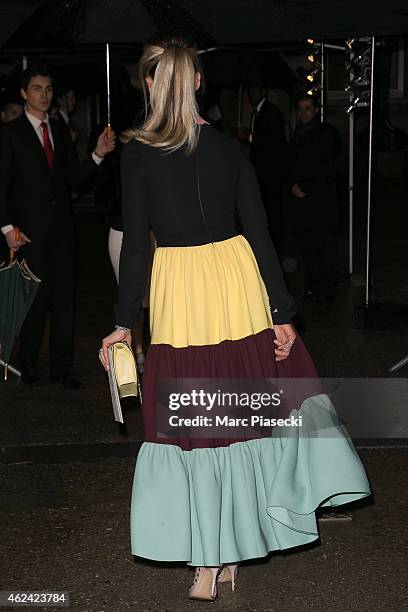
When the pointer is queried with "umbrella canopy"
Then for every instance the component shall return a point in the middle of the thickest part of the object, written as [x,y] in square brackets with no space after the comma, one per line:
[231,68]
[63,24]
[226,21]
[18,288]
[13,13]
[266,21]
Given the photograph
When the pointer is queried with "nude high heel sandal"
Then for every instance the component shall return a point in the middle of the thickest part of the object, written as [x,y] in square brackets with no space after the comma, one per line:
[229,573]
[204,586]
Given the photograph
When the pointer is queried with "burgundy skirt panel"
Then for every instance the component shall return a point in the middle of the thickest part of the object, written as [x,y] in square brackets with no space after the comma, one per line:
[251,357]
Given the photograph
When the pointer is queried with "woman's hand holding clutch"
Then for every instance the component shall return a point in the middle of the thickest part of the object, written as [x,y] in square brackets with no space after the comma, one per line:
[119,335]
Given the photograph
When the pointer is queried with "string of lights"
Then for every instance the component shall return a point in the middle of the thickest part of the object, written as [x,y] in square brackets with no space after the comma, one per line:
[315,60]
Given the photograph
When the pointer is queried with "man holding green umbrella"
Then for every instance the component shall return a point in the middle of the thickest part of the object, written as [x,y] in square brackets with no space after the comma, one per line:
[38,168]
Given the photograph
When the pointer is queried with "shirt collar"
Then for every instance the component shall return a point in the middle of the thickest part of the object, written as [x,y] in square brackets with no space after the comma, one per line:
[64,115]
[35,122]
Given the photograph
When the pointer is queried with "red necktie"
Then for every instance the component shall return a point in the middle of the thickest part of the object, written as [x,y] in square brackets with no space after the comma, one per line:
[49,151]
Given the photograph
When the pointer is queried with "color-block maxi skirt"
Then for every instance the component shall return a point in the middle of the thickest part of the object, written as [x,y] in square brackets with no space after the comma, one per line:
[209,501]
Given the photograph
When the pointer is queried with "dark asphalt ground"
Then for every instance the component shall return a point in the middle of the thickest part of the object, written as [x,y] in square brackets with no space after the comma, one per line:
[66,469]
[66,527]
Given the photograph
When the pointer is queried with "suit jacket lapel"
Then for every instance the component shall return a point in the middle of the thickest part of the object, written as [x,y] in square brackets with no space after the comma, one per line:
[56,136]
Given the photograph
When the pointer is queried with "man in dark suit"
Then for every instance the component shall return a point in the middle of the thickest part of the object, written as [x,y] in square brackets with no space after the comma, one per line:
[312,198]
[269,157]
[38,167]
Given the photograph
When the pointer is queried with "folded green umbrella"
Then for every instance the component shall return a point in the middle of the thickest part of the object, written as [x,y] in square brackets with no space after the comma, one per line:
[18,288]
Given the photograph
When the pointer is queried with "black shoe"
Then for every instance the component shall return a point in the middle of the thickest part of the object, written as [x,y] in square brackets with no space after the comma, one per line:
[30,377]
[68,381]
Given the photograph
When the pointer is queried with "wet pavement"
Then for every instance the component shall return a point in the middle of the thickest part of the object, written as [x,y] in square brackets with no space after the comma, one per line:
[66,467]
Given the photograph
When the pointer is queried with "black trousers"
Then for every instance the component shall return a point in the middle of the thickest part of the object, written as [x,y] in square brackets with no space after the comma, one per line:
[317,238]
[319,254]
[53,262]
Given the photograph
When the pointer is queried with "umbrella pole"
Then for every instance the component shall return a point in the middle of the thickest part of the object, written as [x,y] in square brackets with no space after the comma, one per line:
[370,168]
[108,89]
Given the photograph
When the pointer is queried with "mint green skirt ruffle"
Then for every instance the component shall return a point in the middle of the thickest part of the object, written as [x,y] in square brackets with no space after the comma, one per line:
[227,504]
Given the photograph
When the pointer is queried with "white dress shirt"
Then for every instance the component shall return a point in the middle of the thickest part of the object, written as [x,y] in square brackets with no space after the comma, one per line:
[36,123]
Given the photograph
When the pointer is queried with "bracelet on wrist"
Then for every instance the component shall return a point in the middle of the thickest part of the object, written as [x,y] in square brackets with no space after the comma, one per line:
[121,328]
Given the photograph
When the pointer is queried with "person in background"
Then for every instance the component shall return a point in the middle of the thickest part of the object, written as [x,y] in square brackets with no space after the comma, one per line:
[128,111]
[54,113]
[38,166]
[312,198]
[108,201]
[269,157]
[11,109]
[66,107]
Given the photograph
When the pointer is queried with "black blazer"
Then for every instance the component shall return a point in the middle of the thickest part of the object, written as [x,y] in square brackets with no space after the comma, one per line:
[205,197]
[313,155]
[269,145]
[33,197]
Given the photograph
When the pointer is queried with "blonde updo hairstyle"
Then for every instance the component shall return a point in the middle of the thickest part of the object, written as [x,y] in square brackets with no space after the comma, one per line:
[171,105]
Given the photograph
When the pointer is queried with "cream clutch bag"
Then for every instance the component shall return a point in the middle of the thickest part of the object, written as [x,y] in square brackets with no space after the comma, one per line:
[122,374]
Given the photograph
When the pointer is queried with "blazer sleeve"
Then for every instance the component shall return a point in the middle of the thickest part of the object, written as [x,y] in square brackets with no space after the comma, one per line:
[6,164]
[254,223]
[135,251]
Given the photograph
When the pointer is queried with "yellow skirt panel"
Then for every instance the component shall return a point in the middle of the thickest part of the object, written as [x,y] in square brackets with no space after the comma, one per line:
[205,294]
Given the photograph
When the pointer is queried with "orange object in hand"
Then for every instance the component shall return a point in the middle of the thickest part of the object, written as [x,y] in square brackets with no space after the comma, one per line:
[12,253]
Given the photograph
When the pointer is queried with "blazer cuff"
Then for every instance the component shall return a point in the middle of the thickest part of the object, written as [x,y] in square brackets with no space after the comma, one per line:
[283,316]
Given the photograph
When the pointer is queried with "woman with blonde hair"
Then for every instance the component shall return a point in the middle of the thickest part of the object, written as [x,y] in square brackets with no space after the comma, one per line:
[219,309]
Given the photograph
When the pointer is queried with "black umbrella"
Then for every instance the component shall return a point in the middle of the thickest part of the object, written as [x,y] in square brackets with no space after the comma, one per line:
[234,69]
[231,68]
[67,24]
[266,21]
[64,24]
